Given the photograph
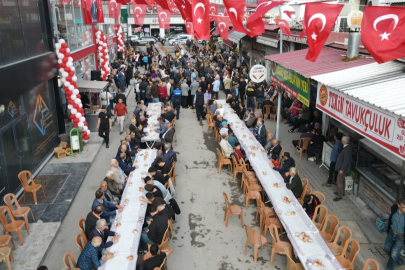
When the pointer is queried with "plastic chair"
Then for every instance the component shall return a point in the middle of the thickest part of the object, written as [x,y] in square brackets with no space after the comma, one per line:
[309,191]
[338,248]
[333,223]
[82,225]
[268,221]
[19,211]
[304,182]
[5,240]
[167,185]
[301,198]
[291,265]
[279,247]
[223,161]
[30,188]
[250,194]
[262,210]
[14,225]
[170,225]
[210,123]
[348,261]
[68,260]
[7,254]
[232,210]
[319,195]
[237,168]
[164,245]
[172,173]
[372,263]
[81,240]
[304,142]
[257,240]
[267,110]
[320,212]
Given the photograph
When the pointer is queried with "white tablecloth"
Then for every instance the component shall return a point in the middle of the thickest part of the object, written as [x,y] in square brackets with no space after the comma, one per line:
[131,218]
[153,111]
[300,222]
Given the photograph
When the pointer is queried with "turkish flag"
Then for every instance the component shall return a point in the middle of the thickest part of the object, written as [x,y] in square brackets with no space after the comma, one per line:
[185,9]
[123,2]
[224,11]
[87,11]
[256,27]
[189,28]
[304,30]
[320,19]
[140,2]
[139,13]
[263,7]
[164,18]
[283,24]
[214,10]
[236,11]
[163,4]
[289,13]
[114,9]
[223,26]
[201,18]
[100,14]
[382,32]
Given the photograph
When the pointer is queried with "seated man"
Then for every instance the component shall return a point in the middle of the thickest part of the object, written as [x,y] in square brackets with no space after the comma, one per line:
[167,136]
[119,176]
[162,126]
[112,187]
[219,121]
[251,122]
[286,163]
[157,175]
[213,107]
[267,101]
[275,148]
[163,167]
[149,181]
[101,230]
[89,257]
[154,190]
[169,115]
[231,139]
[260,133]
[91,219]
[269,144]
[123,149]
[107,194]
[154,232]
[157,258]
[168,155]
[224,128]
[310,203]
[132,126]
[150,198]
[110,209]
[124,165]
[226,146]
[293,182]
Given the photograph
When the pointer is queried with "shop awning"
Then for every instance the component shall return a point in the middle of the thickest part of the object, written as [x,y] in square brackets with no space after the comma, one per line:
[235,36]
[329,60]
[267,41]
[228,43]
[271,27]
[216,32]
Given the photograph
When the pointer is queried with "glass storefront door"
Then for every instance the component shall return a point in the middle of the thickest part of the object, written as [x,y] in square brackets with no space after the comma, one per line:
[15,154]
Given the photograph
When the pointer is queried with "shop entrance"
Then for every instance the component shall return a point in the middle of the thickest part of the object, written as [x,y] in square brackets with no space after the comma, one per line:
[15,154]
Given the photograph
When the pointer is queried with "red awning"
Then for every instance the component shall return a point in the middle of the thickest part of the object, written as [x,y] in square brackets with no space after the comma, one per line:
[216,32]
[271,27]
[228,43]
[329,60]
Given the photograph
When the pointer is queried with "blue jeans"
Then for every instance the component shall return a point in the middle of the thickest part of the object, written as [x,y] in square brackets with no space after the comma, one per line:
[260,100]
[393,246]
[176,106]
[251,103]
[145,240]
[138,96]
[155,100]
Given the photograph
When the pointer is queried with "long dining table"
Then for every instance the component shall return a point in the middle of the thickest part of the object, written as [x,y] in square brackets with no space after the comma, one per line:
[153,112]
[290,212]
[128,224]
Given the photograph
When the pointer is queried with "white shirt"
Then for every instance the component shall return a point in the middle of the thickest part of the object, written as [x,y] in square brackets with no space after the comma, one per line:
[168,86]
[105,98]
[163,136]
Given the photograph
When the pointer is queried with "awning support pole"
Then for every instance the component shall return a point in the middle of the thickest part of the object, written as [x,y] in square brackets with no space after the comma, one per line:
[279,92]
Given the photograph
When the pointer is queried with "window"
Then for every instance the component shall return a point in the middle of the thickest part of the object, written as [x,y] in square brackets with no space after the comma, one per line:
[84,67]
[71,27]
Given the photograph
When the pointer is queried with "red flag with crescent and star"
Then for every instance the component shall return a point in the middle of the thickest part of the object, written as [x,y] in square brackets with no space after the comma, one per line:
[164,17]
[320,19]
[283,24]
[214,10]
[382,32]
[163,3]
[100,14]
[263,7]
[223,26]
[185,9]
[189,28]
[114,9]
[201,18]
[123,2]
[304,30]
[289,13]
[236,11]
[140,2]
[139,11]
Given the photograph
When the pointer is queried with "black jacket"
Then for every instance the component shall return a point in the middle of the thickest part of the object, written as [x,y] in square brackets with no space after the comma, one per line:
[169,116]
[199,98]
[158,228]
[295,186]
[344,160]
[90,224]
[104,235]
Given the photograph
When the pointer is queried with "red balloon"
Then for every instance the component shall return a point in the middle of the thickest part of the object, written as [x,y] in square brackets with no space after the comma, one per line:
[75,120]
[68,79]
[63,45]
[78,96]
[68,93]
[67,54]
[76,106]
[75,126]
[85,123]
[65,60]
[87,137]
[71,73]
[71,117]
[62,50]
[71,102]
[84,134]
[62,65]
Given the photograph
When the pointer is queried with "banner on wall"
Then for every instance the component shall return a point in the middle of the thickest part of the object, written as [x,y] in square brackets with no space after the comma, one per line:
[381,127]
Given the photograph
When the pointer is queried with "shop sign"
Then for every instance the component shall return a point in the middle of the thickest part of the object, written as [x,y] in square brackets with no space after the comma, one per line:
[295,39]
[295,84]
[110,42]
[381,127]
[257,73]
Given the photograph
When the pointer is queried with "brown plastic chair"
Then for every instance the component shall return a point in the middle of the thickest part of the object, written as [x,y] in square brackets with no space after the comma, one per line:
[223,161]
[291,265]
[257,240]
[268,221]
[5,240]
[30,188]
[347,261]
[68,260]
[250,194]
[167,185]
[262,209]
[333,223]
[231,210]
[19,211]
[278,245]
[172,173]
[81,240]
[304,142]
[320,212]
[335,246]
[237,168]
[7,254]
[164,245]
[372,263]
[267,111]
[275,114]
[304,182]
[210,123]
[14,225]
[82,224]
[170,225]
[309,191]
[320,196]
[301,198]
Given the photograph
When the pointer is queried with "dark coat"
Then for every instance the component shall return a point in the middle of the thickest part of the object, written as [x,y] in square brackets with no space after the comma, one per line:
[295,186]
[104,236]
[344,160]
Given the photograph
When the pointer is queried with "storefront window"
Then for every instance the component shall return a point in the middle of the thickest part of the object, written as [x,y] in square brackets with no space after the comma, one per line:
[23,32]
[84,67]
[71,27]
[379,172]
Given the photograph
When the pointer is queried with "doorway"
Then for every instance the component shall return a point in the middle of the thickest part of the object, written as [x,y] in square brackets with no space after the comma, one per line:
[15,154]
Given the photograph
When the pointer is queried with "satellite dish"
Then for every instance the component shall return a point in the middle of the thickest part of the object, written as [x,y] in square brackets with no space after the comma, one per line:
[354,19]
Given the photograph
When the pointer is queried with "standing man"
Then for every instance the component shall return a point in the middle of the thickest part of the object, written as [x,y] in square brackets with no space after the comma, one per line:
[105,98]
[184,92]
[121,79]
[120,111]
[395,241]
[342,167]
[332,179]
[193,89]
[154,92]
[215,87]
[242,87]
[104,125]
[199,104]
[176,101]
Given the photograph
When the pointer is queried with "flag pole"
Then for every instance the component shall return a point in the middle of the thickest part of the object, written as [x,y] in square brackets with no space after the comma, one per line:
[279,90]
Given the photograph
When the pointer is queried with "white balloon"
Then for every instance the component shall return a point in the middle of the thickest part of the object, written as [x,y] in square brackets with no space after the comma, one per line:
[82,119]
[80,124]
[67,50]
[101,54]
[77,101]
[71,87]
[101,60]
[74,78]
[70,107]
[63,80]
[99,48]
[69,64]
[108,69]
[107,56]
[81,105]
[78,115]
[66,84]
[70,59]
[61,40]
[72,68]
[73,111]
[60,61]
[65,74]
[57,46]
[75,92]
[88,132]
[102,72]
[85,128]
[61,55]
[73,97]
